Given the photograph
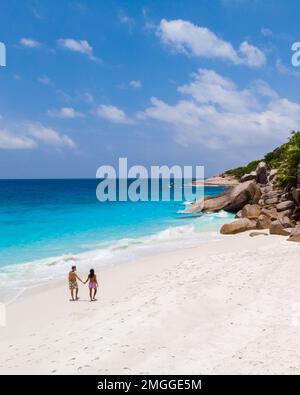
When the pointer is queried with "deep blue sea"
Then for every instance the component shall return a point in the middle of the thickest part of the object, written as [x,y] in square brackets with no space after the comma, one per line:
[45,225]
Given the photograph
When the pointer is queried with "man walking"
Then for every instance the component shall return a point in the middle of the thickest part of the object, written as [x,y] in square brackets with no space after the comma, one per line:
[73,285]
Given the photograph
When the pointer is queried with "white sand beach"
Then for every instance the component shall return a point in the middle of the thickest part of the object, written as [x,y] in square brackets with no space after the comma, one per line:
[228,307]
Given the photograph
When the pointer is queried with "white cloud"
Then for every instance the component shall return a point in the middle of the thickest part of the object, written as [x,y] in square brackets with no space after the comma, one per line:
[29,43]
[216,114]
[185,37]
[121,85]
[126,20]
[81,46]
[283,69]
[31,135]
[251,55]
[10,141]
[149,24]
[88,97]
[262,88]
[49,136]
[266,32]
[135,84]
[65,113]
[112,114]
[44,80]
[210,87]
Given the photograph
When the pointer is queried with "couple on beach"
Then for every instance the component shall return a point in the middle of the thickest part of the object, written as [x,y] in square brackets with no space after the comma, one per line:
[73,285]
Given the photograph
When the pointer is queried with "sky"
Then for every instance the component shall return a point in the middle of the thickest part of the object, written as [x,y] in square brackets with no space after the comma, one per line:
[168,82]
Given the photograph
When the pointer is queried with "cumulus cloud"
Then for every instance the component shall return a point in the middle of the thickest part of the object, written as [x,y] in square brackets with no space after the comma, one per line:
[49,136]
[112,114]
[126,20]
[29,43]
[80,46]
[44,80]
[10,141]
[31,135]
[215,113]
[135,84]
[88,97]
[185,37]
[283,69]
[65,113]
[266,32]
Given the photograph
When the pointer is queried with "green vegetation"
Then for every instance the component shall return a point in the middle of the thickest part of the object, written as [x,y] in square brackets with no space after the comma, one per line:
[289,168]
[240,171]
[285,158]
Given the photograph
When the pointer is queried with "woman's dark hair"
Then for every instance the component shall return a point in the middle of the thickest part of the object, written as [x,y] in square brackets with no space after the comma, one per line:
[92,273]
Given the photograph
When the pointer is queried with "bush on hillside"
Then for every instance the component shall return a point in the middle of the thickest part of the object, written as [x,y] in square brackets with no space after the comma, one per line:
[289,168]
[285,158]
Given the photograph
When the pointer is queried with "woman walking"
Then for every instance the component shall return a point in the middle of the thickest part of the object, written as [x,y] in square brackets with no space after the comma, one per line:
[93,284]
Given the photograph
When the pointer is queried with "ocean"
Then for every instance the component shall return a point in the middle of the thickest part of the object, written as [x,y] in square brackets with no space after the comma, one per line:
[47,225]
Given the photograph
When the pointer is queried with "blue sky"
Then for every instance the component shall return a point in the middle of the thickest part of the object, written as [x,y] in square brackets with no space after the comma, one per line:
[160,82]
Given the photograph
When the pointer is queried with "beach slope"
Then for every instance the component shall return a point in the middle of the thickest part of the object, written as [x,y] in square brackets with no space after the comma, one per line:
[228,307]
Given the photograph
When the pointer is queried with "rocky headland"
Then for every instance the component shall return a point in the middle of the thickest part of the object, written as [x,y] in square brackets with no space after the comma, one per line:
[223,179]
[259,200]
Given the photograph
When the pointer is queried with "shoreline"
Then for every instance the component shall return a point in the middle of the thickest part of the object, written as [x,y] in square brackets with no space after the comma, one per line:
[17,278]
[222,307]
[218,181]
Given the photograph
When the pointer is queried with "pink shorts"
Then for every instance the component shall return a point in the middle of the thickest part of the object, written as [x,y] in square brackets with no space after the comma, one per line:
[92,284]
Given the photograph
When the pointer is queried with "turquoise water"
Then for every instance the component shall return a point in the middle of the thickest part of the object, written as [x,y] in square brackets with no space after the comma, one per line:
[51,222]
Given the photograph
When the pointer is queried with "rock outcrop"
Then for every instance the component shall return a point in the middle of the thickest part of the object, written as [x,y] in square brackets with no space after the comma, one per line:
[258,205]
[254,234]
[238,226]
[277,229]
[251,211]
[231,200]
[263,222]
[272,175]
[288,204]
[295,235]
[262,173]
[249,177]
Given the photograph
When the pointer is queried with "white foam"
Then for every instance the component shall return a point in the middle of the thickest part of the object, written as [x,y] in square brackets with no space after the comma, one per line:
[19,277]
